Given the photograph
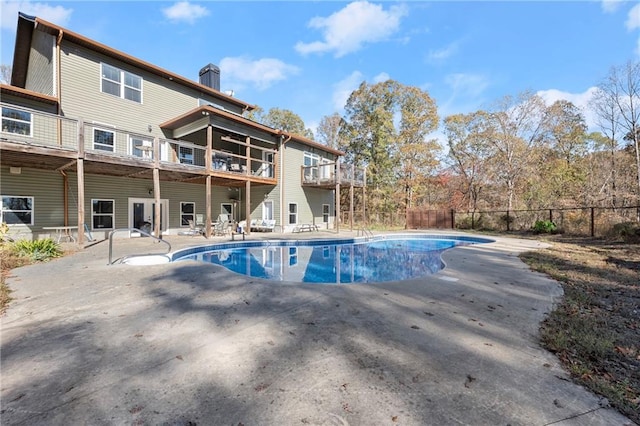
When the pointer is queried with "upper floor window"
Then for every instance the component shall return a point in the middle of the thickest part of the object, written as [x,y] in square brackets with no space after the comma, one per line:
[17,121]
[17,210]
[121,83]
[311,165]
[103,139]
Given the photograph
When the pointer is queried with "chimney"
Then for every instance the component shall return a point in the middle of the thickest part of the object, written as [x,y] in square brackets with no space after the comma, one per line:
[210,76]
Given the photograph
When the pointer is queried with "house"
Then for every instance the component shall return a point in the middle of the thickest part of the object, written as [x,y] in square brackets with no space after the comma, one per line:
[95,138]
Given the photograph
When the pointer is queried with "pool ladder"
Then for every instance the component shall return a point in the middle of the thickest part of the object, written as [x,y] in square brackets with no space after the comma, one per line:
[111,261]
[365,232]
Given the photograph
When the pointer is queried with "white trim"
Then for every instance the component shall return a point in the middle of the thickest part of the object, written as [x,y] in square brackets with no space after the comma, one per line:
[33,209]
[297,212]
[182,225]
[121,83]
[112,214]
[94,143]
[17,120]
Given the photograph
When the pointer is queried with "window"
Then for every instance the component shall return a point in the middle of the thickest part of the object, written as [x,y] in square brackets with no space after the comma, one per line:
[185,154]
[325,213]
[293,213]
[311,165]
[17,210]
[187,213]
[103,140]
[102,212]
[267,210]
[16,121]
[293,256]
[141,147]
[121,83]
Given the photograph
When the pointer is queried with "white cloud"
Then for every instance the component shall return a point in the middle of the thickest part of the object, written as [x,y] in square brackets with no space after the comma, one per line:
[383,76]
[184,11]
[55,14]
[467,84]
[261,73]
[633,18]
[347,30]
[443,53]
[342,89]
[610,6]
[466,93]
[580,100]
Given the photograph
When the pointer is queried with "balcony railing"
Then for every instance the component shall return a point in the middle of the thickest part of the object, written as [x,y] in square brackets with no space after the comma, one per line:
[325,175]
[37,128]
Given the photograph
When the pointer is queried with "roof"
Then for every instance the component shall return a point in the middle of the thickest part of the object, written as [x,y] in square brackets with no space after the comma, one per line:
[312,143]
[27,94]
[26,25]
[24,33]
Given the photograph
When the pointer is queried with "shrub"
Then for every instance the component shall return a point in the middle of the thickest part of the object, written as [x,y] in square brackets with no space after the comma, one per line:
[38,250]
[544,227]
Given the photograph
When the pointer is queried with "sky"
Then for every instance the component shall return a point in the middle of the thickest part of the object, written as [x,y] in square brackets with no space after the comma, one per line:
[308,56]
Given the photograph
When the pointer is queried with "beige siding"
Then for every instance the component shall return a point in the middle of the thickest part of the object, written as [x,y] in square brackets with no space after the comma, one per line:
[45,187]
[40,77]
[162,99]
[309,200]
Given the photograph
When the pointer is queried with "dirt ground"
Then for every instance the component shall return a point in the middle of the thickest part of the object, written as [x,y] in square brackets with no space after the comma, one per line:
[595,331]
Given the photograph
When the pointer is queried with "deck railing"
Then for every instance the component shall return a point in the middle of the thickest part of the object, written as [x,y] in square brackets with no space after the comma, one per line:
[32,127]
[325,174]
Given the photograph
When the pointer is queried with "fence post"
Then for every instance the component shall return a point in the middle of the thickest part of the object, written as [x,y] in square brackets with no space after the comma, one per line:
[593,227]
[453,219]
[550,215]
[508,226]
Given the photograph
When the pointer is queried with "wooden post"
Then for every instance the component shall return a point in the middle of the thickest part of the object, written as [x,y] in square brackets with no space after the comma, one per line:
[80,177]
[453,219]
[157,217]
[351,195]
[550,215]
[508,220]
[207,203]
[593,226]
[247,207]
[337,195]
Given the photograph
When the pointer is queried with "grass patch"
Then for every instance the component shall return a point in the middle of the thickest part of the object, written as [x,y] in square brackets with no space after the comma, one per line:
[595,330]
[14,254]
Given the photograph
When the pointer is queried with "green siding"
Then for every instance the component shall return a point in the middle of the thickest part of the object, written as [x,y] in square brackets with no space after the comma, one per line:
[40,77]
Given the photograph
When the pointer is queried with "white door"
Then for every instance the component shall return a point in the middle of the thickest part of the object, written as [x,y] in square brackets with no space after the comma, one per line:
[267,210]
[142,214]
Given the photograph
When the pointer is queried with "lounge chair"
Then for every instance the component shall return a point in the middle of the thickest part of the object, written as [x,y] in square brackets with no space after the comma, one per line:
[267,225]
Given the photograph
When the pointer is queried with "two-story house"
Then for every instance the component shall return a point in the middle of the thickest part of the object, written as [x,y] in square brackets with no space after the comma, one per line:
[95,138]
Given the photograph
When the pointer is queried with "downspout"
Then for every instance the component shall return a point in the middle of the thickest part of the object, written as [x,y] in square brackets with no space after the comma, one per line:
[281,180]
[58,88]
[65,197]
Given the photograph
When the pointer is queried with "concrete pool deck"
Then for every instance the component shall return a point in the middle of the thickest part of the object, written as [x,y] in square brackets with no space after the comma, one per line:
[190,343]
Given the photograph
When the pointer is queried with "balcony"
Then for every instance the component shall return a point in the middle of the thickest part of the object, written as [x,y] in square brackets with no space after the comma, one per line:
[327,175]
[36,139]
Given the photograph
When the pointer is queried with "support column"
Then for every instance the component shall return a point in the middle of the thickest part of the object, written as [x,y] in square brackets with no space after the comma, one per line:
[351,195]
[337,217]
[157,217]
[207,163]
[364,197]
[247,206]
[80,177]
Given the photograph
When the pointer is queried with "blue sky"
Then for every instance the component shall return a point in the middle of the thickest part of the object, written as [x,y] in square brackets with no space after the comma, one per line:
[307,56]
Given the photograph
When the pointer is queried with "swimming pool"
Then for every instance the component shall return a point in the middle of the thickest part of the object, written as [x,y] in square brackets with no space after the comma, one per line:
[336,261]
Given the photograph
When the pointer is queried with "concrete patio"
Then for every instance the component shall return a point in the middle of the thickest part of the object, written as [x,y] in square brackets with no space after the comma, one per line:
[190,343]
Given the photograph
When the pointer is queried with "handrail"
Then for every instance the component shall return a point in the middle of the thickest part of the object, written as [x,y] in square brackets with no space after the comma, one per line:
[129,230]
[365,232]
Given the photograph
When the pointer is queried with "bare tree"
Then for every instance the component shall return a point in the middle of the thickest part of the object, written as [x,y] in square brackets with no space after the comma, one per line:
[5,74]
[605,106]
[622,85]
[328,130]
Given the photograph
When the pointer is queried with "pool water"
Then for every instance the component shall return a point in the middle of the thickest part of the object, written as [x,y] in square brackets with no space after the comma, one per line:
[332,261]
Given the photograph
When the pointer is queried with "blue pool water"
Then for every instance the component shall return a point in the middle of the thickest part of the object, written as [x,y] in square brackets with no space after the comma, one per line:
[378,259]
